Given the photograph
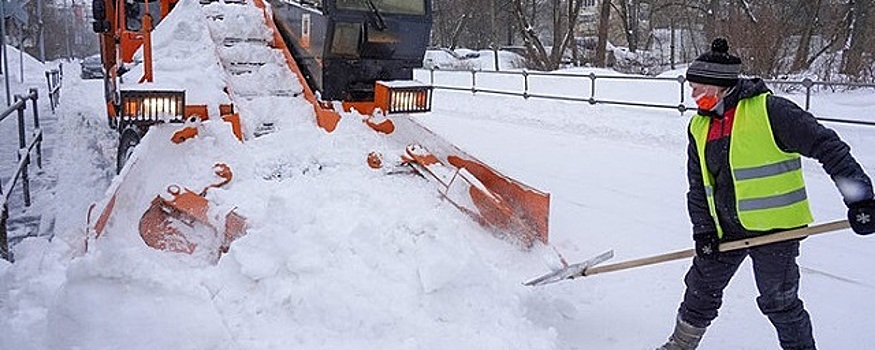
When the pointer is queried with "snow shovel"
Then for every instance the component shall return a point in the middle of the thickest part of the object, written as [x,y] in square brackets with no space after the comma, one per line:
[589,268]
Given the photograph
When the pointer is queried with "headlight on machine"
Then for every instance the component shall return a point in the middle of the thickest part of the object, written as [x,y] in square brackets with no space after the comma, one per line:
[166,106]
[402,96]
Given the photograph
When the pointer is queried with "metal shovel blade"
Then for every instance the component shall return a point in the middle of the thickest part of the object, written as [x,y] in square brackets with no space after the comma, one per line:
[571,271]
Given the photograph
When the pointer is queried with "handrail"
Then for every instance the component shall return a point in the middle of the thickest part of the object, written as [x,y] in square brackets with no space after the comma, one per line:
[24,150]
[54,77]
[592,99]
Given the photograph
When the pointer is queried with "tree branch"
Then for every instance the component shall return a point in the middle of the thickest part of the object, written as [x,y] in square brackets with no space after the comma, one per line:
[746,6]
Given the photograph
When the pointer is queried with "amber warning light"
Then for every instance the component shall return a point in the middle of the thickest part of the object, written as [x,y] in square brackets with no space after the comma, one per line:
[402,97]
[153,105]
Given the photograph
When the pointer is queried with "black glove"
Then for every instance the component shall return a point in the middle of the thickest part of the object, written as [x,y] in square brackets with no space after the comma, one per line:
[861,215]
[707,245]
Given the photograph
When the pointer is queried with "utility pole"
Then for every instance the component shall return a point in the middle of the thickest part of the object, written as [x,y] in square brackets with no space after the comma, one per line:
[20,51]
[42,41]
[3,49]
[67,35]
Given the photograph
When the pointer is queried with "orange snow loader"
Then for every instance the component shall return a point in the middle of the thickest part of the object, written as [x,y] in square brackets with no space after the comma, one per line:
[173,220]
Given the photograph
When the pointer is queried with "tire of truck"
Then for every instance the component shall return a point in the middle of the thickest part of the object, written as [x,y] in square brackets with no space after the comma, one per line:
[128,140]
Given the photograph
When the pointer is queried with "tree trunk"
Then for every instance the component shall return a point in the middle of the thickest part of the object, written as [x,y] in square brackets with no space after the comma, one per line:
[623,9]
[574,7]
[555,54]
[809,12]
[563,33]
[852,63]
[839,36]
[575,60]
[440,33]
[493,36]
[454,40]
[671,44]
[604,23]
[711,27]
[632,32]
[536,53]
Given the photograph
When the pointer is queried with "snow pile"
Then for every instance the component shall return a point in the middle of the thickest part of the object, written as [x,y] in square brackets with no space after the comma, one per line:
[464,59]
[34,71]
[183,57]
[337,256]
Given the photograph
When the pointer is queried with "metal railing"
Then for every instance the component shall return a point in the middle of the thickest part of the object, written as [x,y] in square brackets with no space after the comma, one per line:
[527,92]
[53,84]
[24,150]
[808,84]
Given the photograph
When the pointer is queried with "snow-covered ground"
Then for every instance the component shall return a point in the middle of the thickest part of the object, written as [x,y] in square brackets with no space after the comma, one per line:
[341,256]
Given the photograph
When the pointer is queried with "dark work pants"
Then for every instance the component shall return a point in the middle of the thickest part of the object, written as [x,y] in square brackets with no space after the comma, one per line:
[777,278]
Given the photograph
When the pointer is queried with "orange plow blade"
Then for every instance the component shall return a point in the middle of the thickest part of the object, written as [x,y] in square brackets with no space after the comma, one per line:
[524,209]
[514,209]
[180,220]
[183,223]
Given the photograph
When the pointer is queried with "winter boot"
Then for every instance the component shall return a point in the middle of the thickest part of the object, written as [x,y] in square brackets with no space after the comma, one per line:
[685,337]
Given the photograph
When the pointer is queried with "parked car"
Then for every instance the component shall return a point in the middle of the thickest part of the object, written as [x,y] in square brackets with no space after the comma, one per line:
[92,67]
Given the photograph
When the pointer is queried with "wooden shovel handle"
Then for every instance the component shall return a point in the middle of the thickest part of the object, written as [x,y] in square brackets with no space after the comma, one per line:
[724,247]
[650,260]
[785,235]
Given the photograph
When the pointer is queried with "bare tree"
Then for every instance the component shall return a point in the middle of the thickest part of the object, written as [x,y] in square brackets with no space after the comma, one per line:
[564,19]
[67,31]
[835,28]
[807,13]
[772,37]
[628,10]
[861,33]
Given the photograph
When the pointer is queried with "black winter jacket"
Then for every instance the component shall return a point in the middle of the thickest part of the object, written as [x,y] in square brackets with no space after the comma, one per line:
[795,131]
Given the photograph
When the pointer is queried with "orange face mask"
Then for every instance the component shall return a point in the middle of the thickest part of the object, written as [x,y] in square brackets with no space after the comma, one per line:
[706,101]
[707,96]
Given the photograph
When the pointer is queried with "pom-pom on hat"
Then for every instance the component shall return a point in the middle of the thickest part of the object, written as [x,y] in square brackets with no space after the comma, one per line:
[716,67]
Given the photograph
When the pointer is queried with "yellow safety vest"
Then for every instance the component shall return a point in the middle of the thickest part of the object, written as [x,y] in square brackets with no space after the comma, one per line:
[769,188]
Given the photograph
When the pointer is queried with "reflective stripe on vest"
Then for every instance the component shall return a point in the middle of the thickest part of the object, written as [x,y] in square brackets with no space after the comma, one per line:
[769,188]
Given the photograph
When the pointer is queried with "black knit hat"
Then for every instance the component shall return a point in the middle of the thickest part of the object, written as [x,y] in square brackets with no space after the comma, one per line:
[716,67]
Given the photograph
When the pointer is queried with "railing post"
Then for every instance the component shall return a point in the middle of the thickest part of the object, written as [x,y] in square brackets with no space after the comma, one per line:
[34,94]
[807,83]
[473,81]
[58,81]
[49,89]
[48,81]
[4,243]
[681,107]
[592,88]
[431,76]
[525,84]
[22,150]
